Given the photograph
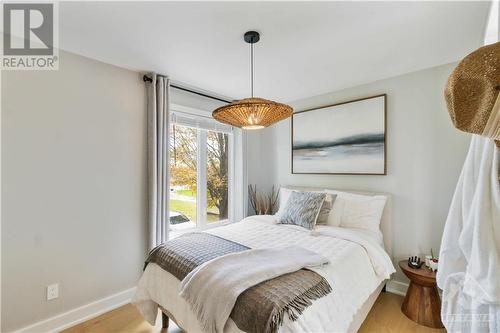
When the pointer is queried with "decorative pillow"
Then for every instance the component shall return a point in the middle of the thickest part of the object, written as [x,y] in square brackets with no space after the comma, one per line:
[302,209]
[357,211]
[323,213]
[326,208]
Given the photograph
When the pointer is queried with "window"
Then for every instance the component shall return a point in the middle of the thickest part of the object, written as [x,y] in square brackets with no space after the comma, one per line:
[200,173]
[217,176]
[183,177]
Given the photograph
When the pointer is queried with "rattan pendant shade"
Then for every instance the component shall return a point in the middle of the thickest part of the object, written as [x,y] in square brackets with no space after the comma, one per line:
[253,112]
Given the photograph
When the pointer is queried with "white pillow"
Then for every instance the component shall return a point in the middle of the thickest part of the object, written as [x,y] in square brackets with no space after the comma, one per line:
[357,211]
[284,196]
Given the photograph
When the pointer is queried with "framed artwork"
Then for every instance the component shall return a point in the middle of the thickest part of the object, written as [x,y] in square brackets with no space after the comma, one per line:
[346,138]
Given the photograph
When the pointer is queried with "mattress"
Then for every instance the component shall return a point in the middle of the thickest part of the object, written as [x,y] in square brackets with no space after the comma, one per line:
[358,265]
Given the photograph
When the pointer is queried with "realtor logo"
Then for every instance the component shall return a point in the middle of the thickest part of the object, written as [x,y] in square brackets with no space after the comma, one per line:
[29,36]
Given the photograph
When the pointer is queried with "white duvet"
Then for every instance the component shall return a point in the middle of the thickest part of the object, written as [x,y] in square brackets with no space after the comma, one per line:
[358,264]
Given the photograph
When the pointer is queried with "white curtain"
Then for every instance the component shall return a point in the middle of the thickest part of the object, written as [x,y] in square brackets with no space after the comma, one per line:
[158,159]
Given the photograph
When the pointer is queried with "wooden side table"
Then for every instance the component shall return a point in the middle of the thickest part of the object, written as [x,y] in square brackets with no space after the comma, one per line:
[422,303]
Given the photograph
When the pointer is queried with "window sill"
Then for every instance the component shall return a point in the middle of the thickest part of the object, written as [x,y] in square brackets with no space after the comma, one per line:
[176,233]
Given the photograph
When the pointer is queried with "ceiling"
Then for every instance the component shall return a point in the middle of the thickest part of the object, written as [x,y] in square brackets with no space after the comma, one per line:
[306,48]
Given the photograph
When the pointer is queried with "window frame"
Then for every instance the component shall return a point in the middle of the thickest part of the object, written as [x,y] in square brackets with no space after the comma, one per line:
[201,166]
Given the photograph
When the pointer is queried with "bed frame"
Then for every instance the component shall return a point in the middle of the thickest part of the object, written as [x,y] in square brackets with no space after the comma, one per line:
[164,318]
[385,227]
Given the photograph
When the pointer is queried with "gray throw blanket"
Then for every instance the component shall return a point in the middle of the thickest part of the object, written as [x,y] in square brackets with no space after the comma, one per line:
[259,309]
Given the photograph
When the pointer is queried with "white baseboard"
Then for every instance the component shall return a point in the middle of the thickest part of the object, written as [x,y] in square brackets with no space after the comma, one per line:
[396,287]
[80,314]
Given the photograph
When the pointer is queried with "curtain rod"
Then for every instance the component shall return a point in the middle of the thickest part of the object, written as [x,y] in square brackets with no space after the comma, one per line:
[148,79]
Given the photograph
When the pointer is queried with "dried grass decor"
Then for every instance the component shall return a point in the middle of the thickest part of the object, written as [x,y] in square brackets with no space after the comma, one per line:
[263,204]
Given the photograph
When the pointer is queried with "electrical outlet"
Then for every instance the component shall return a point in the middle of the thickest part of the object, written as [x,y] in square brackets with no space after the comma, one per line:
[52,291]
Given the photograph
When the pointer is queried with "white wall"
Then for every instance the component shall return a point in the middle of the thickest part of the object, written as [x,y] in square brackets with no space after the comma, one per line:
[425,154]
[73,186]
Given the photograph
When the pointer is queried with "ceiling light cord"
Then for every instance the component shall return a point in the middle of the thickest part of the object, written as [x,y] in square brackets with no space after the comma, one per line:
[251,68]
[252,113]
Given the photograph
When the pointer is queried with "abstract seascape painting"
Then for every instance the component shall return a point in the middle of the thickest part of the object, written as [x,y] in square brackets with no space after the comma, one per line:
[345,138]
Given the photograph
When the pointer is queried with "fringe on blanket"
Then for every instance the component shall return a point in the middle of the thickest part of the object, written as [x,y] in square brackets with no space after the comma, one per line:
[297,306]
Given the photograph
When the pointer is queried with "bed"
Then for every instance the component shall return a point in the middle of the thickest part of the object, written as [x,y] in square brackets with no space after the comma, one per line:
[359,267]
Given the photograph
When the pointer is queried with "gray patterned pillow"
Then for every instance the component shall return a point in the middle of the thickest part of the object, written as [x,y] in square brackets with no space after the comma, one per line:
[302,209]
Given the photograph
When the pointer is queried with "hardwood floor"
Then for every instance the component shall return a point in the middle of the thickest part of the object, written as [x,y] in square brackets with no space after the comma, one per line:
[385,317]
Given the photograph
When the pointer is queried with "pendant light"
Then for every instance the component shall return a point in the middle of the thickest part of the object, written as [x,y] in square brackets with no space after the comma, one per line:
[253,112]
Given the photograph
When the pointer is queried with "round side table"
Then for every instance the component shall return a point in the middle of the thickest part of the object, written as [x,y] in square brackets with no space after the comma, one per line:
[422,303]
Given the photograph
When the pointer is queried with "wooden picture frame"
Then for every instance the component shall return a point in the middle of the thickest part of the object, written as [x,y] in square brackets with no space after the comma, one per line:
[356,144]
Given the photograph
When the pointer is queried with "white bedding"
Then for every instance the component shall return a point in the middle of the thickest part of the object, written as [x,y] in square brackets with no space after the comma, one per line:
[358,264]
